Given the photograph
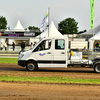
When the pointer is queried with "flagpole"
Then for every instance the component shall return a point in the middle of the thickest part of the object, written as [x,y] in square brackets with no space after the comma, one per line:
[48,20]
[94,23]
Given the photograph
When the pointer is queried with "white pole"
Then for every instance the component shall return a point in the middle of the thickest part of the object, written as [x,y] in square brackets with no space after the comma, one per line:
[48,20]
[93,25]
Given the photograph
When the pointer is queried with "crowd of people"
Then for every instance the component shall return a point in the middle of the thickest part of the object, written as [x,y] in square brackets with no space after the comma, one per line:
[4,45]
[23,44]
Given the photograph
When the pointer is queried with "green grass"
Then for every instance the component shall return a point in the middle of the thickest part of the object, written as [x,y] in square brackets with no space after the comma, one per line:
[9,60]
[53,79]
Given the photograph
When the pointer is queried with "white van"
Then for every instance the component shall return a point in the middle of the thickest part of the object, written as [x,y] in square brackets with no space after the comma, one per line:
[53,52]
[48,52]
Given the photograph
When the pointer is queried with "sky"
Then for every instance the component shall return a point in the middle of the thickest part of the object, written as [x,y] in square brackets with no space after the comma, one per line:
[32,12]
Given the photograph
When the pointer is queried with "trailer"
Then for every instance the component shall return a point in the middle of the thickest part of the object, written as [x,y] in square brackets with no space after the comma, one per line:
[54,52]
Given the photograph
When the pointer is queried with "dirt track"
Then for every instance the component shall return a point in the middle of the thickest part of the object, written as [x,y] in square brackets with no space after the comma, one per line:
[38,91]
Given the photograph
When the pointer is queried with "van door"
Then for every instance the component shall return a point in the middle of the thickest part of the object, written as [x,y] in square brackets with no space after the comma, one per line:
[43,53]
[59,54]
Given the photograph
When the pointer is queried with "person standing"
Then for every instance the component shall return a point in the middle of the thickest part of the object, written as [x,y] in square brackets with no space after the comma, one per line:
[99,47]
[34,43]
[31,45]
[1,45]
[23,46]
[13,45]
[5,46]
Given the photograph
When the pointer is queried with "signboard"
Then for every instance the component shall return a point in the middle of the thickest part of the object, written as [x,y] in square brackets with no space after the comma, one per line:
[70,36]
[78,44]
[18,34]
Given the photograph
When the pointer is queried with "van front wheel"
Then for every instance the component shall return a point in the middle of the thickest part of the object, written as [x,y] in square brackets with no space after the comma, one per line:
[97,67]
[31,66]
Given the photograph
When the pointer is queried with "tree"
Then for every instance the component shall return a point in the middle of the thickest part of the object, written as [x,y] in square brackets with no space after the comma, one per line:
[82,31]
[3,23]
[34,29]
[68,26]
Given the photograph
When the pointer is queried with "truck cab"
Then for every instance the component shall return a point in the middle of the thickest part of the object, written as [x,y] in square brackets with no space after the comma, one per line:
[49,52]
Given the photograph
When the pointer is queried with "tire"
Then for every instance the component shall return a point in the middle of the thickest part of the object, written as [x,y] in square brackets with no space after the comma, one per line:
[97,67]
[31,66]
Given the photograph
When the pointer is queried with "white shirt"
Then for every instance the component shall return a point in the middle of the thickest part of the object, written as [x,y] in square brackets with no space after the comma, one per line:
[2,45]
[5,44]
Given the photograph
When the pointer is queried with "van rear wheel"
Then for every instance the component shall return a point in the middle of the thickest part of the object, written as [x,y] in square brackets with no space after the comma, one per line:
[31,66]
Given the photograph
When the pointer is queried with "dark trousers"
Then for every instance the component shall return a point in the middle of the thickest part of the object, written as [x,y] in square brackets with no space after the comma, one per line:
[1,48]
[13,48]
[5,48]
[22,49]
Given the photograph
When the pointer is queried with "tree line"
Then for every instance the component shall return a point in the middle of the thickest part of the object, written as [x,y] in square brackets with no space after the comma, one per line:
[66,26]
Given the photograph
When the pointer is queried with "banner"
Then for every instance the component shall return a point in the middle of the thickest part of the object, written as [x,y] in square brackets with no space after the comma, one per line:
[92,13]
[78,44]
[45,19]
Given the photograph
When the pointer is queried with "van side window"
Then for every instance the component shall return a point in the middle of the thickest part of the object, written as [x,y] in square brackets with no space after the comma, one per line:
[44,45]
[60,44]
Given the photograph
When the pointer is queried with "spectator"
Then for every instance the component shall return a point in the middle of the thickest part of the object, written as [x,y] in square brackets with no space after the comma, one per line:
[23,46]
[1,45]
[13,45]
[31,45]
[34,43]
[84,49]
[97,45]
[5,46]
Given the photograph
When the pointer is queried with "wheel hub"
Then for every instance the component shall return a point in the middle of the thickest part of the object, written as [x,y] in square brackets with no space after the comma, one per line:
[98,68]
[30,66]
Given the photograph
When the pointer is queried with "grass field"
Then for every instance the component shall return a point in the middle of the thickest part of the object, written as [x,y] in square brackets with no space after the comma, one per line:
[9,60]
[53,79]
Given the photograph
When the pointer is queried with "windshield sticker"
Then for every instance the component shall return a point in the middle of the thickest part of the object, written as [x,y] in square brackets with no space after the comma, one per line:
[42,54]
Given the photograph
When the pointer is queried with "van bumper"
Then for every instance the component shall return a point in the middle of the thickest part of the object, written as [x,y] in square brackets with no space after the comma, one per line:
[22,63]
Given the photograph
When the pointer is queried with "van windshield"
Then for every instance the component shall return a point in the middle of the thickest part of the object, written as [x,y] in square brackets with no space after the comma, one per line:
[35,44]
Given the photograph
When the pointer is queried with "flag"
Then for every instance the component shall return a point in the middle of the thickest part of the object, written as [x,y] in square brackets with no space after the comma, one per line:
[45,19]
[92,13]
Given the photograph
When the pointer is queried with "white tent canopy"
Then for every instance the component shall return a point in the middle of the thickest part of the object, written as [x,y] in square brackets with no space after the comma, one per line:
[53,32]
[7,30]
[95,38]
[18,27]
[90,32]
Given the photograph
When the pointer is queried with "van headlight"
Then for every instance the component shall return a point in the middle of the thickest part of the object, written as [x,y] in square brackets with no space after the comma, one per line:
[21,55]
